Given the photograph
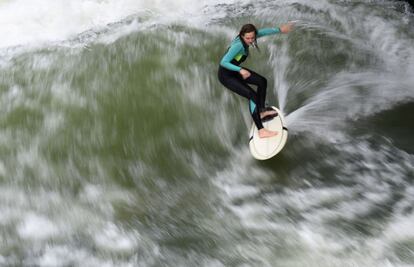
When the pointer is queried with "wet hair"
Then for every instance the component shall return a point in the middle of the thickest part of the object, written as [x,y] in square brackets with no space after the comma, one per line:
[246,28]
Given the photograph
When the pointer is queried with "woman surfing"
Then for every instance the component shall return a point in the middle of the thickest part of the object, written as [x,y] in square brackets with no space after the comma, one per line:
[237,79]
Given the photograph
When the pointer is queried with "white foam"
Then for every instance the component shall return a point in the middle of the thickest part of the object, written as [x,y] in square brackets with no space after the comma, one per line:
[279,62]
[317,242]
[91,193]
[401,228]
[37,227]
[56,256]
[25,22]
[113,238]
[360,94]
[29,22]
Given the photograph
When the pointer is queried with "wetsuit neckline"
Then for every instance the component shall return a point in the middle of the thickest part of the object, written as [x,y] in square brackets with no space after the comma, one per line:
[246,47]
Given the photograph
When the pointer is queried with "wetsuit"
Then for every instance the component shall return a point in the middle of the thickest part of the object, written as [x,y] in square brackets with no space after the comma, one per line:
[229,76]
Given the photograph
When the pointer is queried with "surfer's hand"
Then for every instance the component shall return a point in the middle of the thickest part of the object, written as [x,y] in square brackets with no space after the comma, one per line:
[245,73]
[285,28]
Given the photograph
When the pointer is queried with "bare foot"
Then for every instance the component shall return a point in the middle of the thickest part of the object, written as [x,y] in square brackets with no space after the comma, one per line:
[264,133]
[267,113]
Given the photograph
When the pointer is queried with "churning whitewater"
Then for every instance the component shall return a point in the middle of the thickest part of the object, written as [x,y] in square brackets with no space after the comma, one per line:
[119,147]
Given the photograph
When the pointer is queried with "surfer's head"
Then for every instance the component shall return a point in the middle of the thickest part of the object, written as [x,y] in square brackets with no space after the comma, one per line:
[248,34]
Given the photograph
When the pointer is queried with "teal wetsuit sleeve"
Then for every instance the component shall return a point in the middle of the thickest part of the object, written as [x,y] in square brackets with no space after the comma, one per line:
[267,31]
[229,56]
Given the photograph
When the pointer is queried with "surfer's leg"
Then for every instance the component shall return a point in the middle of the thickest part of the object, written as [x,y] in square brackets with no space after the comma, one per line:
[237,85]
[261,83]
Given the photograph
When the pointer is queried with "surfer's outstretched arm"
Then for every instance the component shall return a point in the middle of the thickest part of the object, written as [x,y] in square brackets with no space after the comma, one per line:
[284,28]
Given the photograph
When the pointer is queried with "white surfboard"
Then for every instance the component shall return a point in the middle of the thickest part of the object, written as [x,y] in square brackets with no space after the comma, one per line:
[265,148]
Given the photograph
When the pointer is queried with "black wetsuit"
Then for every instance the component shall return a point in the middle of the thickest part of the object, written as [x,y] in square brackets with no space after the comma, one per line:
[235,82]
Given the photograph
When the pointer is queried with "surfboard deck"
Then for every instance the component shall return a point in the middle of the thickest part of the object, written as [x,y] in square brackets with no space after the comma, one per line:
[266,148]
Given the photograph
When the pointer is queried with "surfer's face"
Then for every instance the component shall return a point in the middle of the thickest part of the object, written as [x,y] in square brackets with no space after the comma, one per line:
[249,37]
